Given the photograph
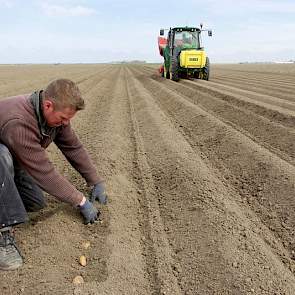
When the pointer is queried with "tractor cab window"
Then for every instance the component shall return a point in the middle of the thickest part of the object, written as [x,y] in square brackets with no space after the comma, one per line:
[186,39]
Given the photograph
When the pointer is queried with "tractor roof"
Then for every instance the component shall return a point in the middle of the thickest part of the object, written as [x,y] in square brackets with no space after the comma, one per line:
[189,29]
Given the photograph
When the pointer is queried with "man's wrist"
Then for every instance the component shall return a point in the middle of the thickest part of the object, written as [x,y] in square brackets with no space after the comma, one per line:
[82,202]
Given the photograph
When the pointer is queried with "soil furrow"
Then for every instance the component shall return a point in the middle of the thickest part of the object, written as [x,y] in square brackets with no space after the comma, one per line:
[262,80]
[22,82]
[160,261]
[264,131]
[217,141]
[273,112]
[200,178]
[273,100]
[126,263]
[263,89]
[268,70]
[203,193]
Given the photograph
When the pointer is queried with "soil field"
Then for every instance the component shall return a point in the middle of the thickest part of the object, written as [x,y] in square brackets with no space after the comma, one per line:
[200,177]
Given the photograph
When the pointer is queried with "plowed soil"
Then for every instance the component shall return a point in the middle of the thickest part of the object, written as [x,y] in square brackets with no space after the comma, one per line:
[200,177]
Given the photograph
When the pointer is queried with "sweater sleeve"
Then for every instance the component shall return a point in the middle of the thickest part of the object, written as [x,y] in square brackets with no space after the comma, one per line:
[23,143]
[70,145]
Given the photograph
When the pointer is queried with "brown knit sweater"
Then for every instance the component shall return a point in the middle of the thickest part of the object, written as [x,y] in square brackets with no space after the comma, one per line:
[20,132]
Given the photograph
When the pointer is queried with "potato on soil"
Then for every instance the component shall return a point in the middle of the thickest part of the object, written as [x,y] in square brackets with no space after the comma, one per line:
[78,280]
[86,245]
[82,260]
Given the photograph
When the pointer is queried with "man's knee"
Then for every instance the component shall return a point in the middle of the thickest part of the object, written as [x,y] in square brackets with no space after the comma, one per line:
[36,205]
[6,158]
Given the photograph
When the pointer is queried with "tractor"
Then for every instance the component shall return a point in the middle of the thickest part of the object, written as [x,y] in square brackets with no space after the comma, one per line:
[184,57]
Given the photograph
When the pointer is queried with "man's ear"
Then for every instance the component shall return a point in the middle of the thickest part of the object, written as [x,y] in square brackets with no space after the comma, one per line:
[48,105]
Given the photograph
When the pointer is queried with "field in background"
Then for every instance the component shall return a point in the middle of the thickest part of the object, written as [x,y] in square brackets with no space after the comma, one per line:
[200,177]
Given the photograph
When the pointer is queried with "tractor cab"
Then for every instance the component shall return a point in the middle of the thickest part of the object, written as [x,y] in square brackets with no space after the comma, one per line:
[184,39]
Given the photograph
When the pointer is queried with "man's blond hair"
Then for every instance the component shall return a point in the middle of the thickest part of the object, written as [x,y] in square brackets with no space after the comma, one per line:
[64,93]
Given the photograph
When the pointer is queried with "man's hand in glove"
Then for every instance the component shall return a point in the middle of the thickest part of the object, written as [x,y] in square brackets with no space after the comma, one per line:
[89,212]
[98,193]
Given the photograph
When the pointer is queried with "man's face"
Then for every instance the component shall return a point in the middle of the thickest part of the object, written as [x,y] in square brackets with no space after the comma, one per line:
[55,118]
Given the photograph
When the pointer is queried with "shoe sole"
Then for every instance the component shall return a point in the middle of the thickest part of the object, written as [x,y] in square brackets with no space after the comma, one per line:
[11,267]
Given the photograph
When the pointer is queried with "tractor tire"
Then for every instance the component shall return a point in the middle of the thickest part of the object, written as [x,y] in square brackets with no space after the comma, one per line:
[175,68]
[206,70]
[196,75]
[167,75]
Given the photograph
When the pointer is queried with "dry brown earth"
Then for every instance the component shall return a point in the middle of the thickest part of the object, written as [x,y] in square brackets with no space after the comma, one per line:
[200,176]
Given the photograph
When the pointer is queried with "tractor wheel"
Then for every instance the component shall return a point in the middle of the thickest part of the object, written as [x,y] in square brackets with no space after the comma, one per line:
[175,68]
[206,70]
[167,74]
[196,75]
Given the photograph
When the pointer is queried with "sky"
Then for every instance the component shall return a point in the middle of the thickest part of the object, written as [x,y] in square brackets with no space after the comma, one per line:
[81,31]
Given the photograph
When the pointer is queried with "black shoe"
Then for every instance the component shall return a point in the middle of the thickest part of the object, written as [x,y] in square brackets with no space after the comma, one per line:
[10,257]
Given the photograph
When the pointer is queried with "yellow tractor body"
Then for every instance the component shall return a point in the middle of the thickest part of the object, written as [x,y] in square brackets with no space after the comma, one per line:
[192,59]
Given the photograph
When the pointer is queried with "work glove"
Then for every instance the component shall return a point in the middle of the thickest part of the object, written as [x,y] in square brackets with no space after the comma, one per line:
[98,193]
[89,212]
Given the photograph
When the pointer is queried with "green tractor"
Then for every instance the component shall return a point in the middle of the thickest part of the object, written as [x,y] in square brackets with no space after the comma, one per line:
[184,57]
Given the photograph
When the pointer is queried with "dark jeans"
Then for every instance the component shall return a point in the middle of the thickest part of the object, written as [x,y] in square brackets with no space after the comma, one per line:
[18,192]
